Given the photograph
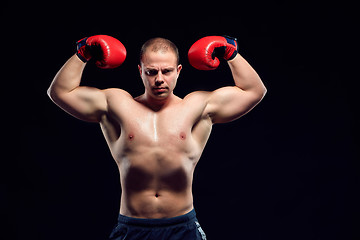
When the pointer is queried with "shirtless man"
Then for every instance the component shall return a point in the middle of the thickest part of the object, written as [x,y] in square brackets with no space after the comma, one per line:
[157,138]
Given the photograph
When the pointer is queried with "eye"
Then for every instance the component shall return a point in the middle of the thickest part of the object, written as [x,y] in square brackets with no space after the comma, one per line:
[151,72]
[165,71]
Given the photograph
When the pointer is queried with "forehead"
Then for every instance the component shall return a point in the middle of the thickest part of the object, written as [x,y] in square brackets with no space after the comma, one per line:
[159,59]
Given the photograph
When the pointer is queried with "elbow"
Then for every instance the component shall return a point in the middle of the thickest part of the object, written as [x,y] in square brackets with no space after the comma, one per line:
[261,92]
[51,94]
[264,91]
[48,92]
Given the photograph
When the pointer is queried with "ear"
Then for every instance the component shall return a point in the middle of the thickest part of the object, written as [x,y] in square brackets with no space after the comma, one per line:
[140,71]
[179,67]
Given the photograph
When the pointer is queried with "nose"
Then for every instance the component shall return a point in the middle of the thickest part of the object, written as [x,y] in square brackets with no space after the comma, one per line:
[159,79]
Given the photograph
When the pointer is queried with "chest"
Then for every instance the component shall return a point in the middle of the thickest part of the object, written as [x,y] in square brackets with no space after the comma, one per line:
[171,126]
[132,127]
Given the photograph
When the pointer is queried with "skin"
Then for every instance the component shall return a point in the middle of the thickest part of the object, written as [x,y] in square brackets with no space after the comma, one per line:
[157,138]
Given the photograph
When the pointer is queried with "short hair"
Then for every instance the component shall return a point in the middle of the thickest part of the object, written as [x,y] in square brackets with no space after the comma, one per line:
[159,44]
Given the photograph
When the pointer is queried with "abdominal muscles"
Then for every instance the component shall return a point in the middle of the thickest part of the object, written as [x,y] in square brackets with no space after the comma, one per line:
[156,184]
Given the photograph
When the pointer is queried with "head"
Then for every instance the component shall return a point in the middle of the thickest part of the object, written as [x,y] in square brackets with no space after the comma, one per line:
[159,67]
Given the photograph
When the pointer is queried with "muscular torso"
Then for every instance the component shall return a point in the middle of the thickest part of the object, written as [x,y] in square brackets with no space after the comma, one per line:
[156,152]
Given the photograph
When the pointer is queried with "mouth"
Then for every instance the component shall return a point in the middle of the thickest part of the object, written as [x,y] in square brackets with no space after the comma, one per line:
[160,89]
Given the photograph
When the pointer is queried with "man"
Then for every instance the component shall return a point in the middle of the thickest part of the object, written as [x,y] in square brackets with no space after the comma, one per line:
[157,138]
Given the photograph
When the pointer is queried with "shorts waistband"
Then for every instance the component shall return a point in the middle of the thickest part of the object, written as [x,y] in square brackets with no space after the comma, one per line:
[157,222]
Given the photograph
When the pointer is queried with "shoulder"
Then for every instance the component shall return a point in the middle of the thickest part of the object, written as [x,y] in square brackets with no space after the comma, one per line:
[118,99]
[198,101]
[197,96]
[111,92]
[117,94]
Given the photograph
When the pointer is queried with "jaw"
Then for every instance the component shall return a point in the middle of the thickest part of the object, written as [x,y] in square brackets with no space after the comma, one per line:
[157,95]
[157,101]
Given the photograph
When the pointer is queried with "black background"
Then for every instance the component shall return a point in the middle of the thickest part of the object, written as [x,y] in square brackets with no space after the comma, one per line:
[286,170]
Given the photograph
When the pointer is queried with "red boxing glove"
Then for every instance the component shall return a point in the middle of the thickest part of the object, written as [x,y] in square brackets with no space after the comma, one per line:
[204,54]
[108,52]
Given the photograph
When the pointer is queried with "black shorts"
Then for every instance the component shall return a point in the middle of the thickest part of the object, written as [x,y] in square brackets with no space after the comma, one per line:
[185,227]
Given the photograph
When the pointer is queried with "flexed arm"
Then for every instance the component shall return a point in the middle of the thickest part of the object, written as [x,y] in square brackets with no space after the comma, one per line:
[227,103]
[85,103]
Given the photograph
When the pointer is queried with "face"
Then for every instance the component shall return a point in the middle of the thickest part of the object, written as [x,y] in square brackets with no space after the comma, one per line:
[159,72]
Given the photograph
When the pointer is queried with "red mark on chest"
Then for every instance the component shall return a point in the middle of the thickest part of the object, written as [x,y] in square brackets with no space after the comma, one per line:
[182,136]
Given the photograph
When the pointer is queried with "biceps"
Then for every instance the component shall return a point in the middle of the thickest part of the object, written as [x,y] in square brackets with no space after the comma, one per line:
[230,103]
[85,103]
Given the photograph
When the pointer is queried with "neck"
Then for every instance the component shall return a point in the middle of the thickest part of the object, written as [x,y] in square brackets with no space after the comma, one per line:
[156,104]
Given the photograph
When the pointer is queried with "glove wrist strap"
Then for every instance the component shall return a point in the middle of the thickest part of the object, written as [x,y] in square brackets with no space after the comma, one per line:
[81,50]
[231,49]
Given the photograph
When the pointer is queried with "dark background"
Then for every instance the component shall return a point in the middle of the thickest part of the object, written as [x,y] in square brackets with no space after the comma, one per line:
[287,170]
